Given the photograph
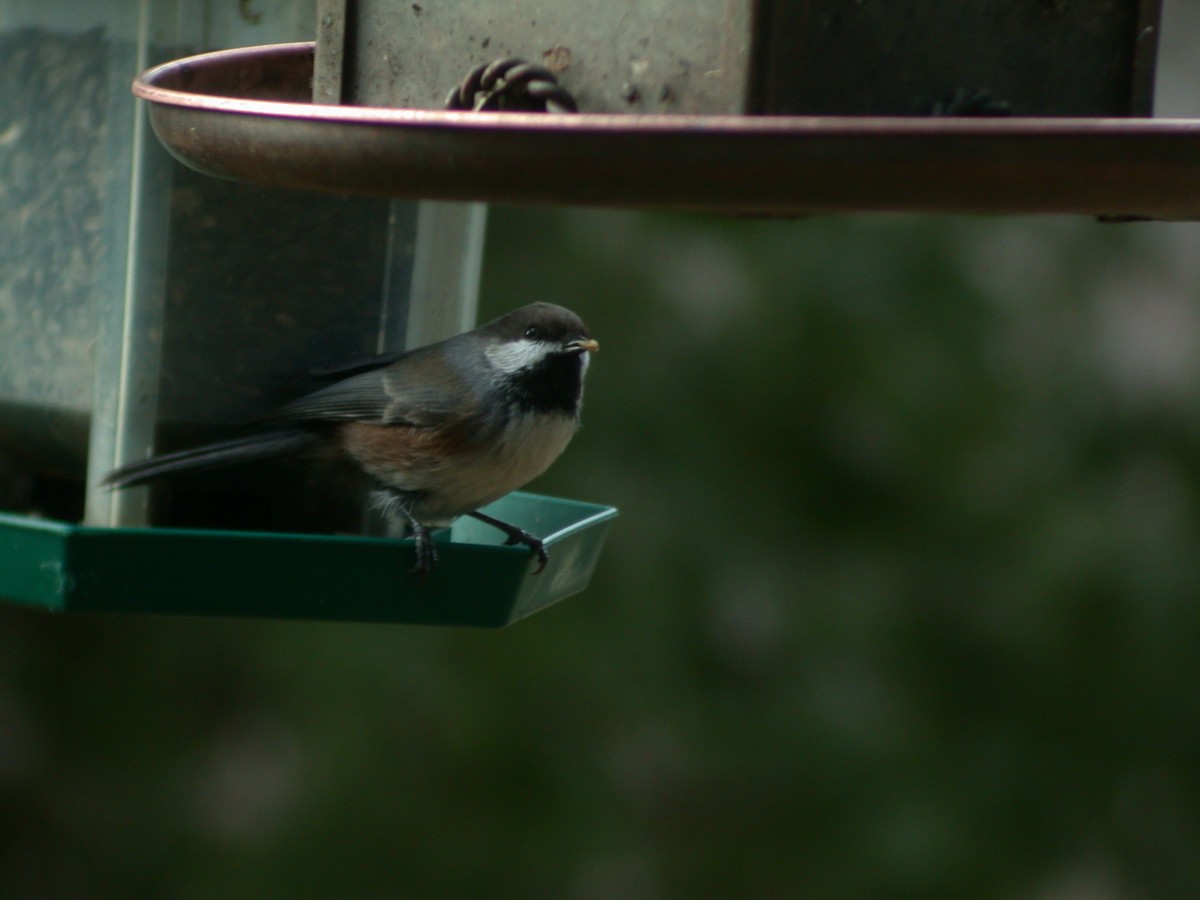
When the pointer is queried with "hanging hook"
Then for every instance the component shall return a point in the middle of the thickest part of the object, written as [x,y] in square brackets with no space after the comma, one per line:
[511,84]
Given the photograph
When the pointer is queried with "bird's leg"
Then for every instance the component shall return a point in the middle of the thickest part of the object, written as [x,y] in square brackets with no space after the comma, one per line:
[517,536]
[424,547]
[426,550]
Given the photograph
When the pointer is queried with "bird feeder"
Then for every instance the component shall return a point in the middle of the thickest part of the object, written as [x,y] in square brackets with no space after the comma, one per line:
[346,220]
[146,306]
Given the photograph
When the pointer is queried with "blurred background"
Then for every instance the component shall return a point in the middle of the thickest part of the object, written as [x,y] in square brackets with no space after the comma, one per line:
[903,602]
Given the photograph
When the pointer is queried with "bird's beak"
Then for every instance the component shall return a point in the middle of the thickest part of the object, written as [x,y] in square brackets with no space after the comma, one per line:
[589,345]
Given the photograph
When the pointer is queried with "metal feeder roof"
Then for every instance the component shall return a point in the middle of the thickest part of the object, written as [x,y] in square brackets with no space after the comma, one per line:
[247,114]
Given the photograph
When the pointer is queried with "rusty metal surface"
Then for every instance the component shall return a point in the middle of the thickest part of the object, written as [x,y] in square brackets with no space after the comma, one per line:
[245,114]
[677,56]
[330,55]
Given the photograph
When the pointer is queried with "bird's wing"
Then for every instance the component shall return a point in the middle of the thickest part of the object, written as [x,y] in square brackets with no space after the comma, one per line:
[417,389]
[358,366]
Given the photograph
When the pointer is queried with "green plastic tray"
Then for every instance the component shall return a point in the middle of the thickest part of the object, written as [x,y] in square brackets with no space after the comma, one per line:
[480,581]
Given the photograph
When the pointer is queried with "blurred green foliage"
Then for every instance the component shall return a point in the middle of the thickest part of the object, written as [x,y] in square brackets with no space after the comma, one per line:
[902,603]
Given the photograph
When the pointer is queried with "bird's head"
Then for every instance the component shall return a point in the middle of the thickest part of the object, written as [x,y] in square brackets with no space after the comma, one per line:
[541,353]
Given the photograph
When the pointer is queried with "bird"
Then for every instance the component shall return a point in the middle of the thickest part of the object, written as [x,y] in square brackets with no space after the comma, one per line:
[440,430]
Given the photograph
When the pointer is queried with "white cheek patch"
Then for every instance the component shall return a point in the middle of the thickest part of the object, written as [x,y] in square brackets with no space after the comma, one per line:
[513,356]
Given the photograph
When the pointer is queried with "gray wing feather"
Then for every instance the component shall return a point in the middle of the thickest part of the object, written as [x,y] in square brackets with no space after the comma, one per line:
[366,364]
[389,396]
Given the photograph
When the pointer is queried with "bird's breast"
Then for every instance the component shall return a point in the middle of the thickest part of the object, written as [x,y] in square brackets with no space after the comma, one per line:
[450,473]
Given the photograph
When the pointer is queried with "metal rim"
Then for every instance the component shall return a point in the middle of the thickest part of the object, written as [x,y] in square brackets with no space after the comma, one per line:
[247,114]
[154,86]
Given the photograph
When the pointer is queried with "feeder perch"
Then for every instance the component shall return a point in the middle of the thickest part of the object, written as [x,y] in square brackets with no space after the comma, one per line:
[481,582]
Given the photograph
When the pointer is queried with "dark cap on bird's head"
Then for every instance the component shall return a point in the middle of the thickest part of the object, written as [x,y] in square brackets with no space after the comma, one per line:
[545,323]
[539,356]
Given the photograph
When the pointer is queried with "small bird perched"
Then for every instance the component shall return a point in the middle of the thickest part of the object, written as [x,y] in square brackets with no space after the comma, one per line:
[441,430]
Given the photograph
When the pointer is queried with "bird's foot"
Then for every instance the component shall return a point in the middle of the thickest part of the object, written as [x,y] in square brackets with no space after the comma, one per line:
[426,552]
[517,535]
[964,102]
[393,505]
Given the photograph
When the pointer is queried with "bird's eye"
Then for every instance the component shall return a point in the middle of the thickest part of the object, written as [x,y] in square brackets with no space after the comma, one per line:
[534,333]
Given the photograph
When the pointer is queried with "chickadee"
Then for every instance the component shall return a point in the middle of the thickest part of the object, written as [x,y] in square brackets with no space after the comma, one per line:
[442,430]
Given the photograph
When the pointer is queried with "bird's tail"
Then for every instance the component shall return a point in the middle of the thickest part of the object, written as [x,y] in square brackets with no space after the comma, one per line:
[218,455]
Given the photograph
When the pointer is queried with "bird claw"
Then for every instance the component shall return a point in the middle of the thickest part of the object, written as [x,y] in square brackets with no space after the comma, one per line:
[426,554]
[964,102]
[536,546]
[426,551]
[517,535]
